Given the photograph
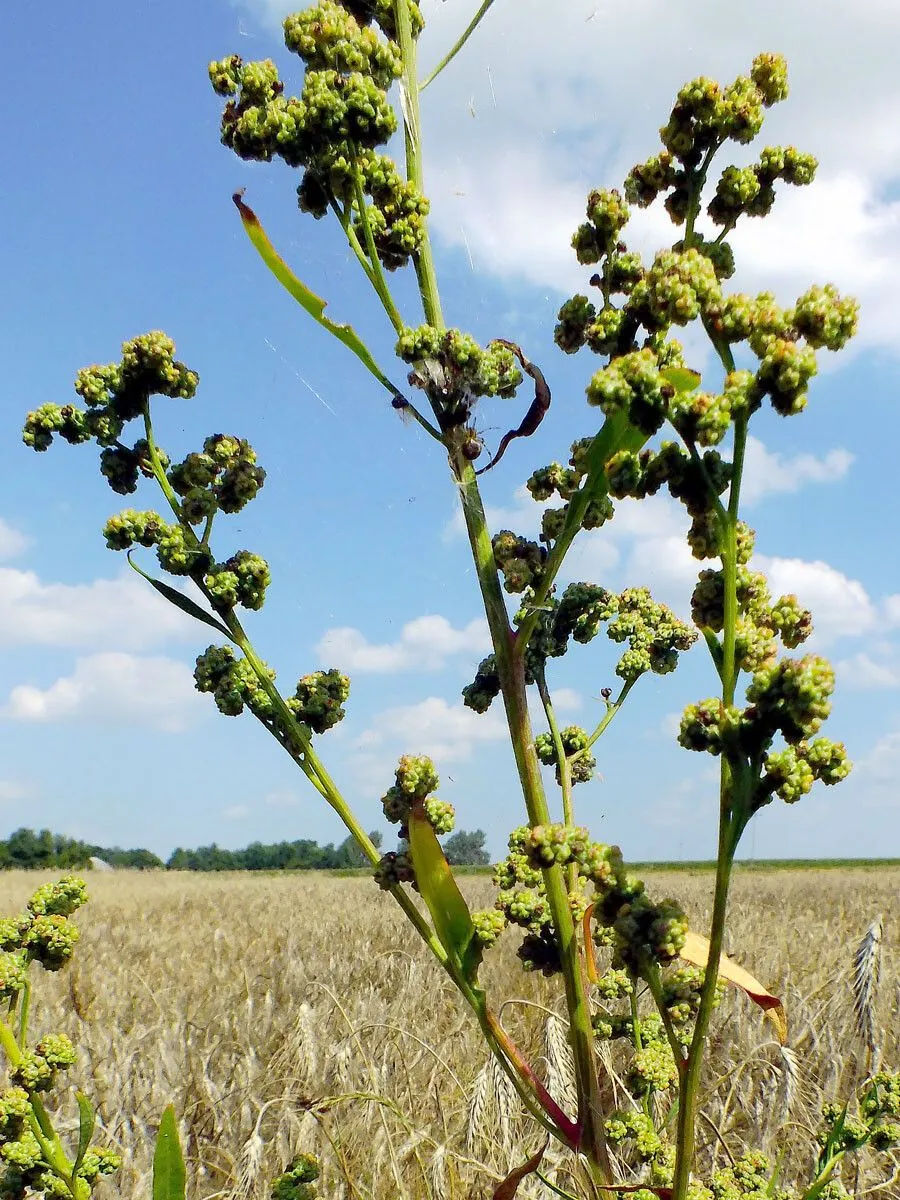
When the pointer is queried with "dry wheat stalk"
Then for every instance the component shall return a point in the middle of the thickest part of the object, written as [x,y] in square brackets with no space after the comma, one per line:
[866,976]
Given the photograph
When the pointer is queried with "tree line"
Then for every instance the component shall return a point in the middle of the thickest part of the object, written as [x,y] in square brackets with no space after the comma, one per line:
[30,850]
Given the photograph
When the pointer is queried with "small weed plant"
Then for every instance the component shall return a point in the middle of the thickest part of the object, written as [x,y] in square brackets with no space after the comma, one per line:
[637,987]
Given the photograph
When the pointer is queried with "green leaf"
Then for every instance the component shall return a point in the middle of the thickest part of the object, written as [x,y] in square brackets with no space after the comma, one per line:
[180,600]
[304,296]
[438,888]
[458,44]
[168,1161]
[715,648]
[86,1119]
[682,379]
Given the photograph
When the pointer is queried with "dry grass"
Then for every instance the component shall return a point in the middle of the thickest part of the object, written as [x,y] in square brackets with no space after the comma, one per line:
[289,1013]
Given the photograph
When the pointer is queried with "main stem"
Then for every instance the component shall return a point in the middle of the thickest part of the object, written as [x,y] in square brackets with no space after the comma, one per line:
[733,802]
[510,664]
[511,671]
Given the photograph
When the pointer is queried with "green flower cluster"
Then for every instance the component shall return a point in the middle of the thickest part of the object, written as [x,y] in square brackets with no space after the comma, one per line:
[760,622]
[519,560]
[636,1131]
[333,127]
[790,697]
[43,933]
[684,283]
[653,633]
[319,699]
[297,1181]
[233,683]
[454,370]
[115,394]
[876,1124]
[575,741]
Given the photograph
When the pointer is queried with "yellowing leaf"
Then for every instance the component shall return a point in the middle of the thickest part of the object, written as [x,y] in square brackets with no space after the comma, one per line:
[438,888]
[696,951]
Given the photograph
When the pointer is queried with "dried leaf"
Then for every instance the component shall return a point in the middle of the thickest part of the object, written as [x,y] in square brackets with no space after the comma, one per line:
[696,951]
[510,1185]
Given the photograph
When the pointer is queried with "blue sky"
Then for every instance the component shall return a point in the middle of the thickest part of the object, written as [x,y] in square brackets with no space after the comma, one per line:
[117,219]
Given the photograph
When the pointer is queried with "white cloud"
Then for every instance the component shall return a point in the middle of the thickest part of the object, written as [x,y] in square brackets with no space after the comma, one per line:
[537,109]
[446,732]
[766,473]
[865,674]
[566,699]
[882,763]
[12,542]
[11,791]
[117,689]
[282,799]
[126,613]
[840,606]
[424,645]
[236,812]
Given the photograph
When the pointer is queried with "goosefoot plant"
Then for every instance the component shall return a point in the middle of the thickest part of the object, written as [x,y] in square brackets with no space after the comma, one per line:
[631,972]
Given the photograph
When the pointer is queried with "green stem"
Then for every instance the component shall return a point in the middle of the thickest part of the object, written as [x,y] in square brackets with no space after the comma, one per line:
[379,283]
[565,769]
[24,1005]
[423,258]
[565,772]
[691,1067]
[612,707]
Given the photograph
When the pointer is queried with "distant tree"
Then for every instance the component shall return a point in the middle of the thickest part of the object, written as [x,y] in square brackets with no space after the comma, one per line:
[466,849]
[348,853]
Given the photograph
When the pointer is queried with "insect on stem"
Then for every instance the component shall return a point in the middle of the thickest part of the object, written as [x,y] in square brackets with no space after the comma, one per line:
[536,411]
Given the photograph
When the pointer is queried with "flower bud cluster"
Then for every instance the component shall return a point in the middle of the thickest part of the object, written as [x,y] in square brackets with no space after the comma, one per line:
[760,623]
[791,772]
[876,1124]
[522,899]
[684,283]
[297,1181]
[521,561]
[653,632]
[454,370]
[333,127]
[233,683]
[480,693]
[566,481]
[415,782]
[575,741]
[635,1128]
[241,579]
[319,699]
[223,476]
[43,933]
[115,394]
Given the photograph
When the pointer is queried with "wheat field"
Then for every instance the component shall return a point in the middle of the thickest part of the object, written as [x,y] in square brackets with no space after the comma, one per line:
[292,1013]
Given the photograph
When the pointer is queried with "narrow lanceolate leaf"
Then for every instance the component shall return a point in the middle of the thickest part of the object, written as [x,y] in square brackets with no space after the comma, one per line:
[440,891]
[86,1119]
[696,951]
[458,44]
[168,1161]
[510,1185]
[682,379]
[180,600]
[304,296]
